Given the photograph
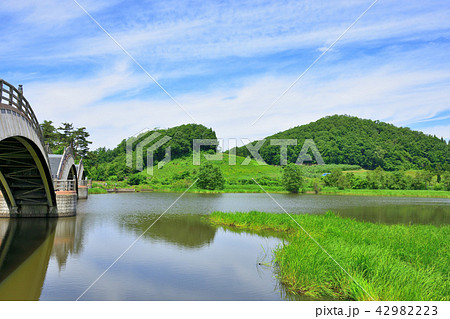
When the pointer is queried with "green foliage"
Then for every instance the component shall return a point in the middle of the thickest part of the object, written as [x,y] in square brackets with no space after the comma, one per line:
[50,133]
[210,177]
[331,179]
[343,139]
[135,179]
[446,180]
[181,142]
[292,178]
[180,172]
[376,179]
[380,179]
[421,180]
[103,163]
[391,262]
[344,181]
[64,136]
[398,180]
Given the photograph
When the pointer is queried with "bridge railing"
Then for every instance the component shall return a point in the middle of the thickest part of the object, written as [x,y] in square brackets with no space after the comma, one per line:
[12,97]
[85,182]
[64,185]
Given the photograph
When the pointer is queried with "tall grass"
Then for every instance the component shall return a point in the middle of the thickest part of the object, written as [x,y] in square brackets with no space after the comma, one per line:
[97,190]
[391,262]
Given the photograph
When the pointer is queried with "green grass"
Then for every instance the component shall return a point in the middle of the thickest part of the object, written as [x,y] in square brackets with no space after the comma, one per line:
[253,188]
[179,166]
[391,262]
[97,190]
[238,172]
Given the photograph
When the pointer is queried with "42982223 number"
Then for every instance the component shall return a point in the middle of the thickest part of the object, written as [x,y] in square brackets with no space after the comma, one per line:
[407,310]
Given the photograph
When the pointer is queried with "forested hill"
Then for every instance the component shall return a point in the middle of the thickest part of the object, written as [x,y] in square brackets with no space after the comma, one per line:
[104,163]
[343,139]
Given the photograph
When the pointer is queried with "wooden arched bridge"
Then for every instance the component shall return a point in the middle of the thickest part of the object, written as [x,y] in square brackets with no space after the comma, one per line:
[33,183]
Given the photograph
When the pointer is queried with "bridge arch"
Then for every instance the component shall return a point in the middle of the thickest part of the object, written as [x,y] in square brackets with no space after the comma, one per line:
[25,177]
[63,168]
[67,169]
[80,171]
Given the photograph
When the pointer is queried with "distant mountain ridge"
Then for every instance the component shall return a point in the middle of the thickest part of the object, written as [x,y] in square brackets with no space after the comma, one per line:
[344,139]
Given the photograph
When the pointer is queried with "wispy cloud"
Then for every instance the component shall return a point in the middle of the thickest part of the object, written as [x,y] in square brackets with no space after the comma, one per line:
[226,61]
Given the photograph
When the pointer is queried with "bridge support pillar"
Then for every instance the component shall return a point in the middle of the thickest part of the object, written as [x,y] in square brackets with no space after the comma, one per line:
[26,210]
[4,211]
[67,203]
[83,192]
[32,211]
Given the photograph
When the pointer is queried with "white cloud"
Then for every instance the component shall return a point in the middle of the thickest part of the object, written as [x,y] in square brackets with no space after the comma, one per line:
[390,66]
[46,13]
[245,30]
[439,131]
[383,93]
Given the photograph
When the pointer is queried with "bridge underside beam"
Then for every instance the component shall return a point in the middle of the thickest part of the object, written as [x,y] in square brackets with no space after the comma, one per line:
[22,183]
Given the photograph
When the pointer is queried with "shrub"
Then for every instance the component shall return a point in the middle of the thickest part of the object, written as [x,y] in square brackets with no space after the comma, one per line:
[210,177]
[292,178]
[135,179]
[377,178]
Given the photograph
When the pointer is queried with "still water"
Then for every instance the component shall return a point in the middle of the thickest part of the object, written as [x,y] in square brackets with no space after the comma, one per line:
[181,257]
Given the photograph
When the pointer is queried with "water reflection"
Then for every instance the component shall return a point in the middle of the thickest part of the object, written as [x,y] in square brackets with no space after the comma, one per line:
[188,231]
[26,245]
[221,261]
[69,235]
[387,210]
[398,214]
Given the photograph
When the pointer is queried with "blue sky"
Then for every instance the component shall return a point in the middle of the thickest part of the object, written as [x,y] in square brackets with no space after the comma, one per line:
[225,62]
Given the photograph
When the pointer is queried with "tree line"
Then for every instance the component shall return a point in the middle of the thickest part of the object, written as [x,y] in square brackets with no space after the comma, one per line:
[400,180]
[66,135]
[293,179]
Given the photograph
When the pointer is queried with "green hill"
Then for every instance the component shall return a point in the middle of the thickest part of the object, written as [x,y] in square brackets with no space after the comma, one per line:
[343,139]
[345,143]
[103,163]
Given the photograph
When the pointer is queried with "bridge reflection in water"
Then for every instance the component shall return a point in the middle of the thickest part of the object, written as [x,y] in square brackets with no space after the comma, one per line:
[25,250]
[26,246]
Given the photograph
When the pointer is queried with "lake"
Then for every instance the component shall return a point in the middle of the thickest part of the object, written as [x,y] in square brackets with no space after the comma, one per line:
[181,257]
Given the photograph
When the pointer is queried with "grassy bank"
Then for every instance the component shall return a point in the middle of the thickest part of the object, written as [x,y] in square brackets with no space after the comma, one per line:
[391,262]
[97,190]
[100,188]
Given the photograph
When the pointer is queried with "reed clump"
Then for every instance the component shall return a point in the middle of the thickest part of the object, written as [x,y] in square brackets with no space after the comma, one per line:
[386,262]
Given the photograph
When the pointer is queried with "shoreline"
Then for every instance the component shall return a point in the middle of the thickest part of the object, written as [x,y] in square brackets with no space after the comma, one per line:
[334,192]
[386,262]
